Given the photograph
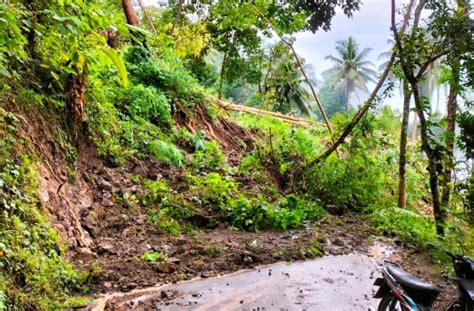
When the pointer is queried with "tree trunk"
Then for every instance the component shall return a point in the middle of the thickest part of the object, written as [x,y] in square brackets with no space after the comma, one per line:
[356,119]
[221,81]
[439,212]
[130,13]
[150,22]
[450,132]
[75,93]
[290,45]
[316,99]
[348,95]
[267,74]
[368,103]
[402,194]
[178,16]
[406,64]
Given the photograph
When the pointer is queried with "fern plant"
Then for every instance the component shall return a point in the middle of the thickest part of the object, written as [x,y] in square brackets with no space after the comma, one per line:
[167,153]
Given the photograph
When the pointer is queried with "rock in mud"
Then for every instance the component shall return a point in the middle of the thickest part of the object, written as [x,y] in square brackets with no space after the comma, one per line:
[163,267]
[89,222]
[105,247]
[168,294]
[107,203]
[107,285]
[248,260]
[105,185]
[208,274]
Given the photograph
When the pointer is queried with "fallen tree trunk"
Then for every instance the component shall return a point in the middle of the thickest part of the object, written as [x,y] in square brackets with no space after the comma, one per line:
[285,118]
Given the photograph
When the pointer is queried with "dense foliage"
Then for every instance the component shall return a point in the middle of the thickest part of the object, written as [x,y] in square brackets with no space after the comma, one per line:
[144,95]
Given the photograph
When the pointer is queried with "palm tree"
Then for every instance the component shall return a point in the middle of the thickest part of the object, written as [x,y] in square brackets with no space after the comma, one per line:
[288,84]
[285,82]
[289,88]
[351,70]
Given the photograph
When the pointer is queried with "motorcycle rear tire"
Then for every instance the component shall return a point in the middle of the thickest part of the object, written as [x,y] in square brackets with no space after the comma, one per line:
[388,303]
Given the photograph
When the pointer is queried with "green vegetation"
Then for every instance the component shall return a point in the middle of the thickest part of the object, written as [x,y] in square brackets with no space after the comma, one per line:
[368,167]
[76,77]
[153,256]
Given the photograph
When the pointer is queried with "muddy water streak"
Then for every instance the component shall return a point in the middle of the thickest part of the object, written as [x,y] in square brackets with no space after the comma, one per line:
[329,283]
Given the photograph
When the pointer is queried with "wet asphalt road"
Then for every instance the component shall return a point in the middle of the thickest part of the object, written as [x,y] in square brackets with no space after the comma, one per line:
[329,283]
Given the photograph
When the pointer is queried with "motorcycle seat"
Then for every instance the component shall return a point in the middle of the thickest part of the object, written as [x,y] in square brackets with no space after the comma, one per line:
[412,283]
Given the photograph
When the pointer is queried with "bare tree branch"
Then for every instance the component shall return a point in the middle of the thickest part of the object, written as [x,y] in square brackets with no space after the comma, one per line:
[147,16]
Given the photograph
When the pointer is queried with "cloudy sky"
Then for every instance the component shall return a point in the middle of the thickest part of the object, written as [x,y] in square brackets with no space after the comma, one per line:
[370,27]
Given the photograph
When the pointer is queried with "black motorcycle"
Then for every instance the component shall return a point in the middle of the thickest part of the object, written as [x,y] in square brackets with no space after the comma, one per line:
[399,290]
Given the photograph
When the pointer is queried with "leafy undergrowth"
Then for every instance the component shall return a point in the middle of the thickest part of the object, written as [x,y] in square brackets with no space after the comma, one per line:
[419,231]
[363,178]
[167,172]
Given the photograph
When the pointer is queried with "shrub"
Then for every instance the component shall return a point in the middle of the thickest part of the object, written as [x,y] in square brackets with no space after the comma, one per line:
[166,153]
[419,230]
[214,189]
[208,156]
[157,192]
[153,256]
[165,72]
[254,214]
[148,103]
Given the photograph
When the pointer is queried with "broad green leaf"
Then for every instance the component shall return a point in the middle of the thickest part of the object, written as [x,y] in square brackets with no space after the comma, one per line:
[118,62]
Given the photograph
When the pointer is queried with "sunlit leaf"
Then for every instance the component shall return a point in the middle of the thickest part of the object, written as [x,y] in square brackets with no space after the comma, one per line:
[119,64]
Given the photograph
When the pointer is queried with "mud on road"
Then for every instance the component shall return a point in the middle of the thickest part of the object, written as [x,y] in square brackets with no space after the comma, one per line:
[342,279]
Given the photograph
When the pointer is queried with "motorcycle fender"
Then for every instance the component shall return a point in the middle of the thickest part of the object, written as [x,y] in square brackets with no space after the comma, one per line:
[467,288]
[383,290]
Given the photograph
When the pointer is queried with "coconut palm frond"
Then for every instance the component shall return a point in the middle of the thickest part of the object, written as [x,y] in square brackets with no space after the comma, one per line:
[351,70]
[333,59]
[362,55]
[384,55]
[301,104]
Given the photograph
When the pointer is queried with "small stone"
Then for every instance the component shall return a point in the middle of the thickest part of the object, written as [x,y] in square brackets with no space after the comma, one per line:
[335,210]
[140,221]
[208,274]
[199,263]
[107,203]
[163,267]
[166,248]
[105,185]
[174,260]
[338,242]
[105,247]
[108,285]
[248,260]
[124,217]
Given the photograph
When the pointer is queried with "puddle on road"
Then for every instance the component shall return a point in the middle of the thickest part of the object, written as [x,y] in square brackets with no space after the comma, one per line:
[329,283]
